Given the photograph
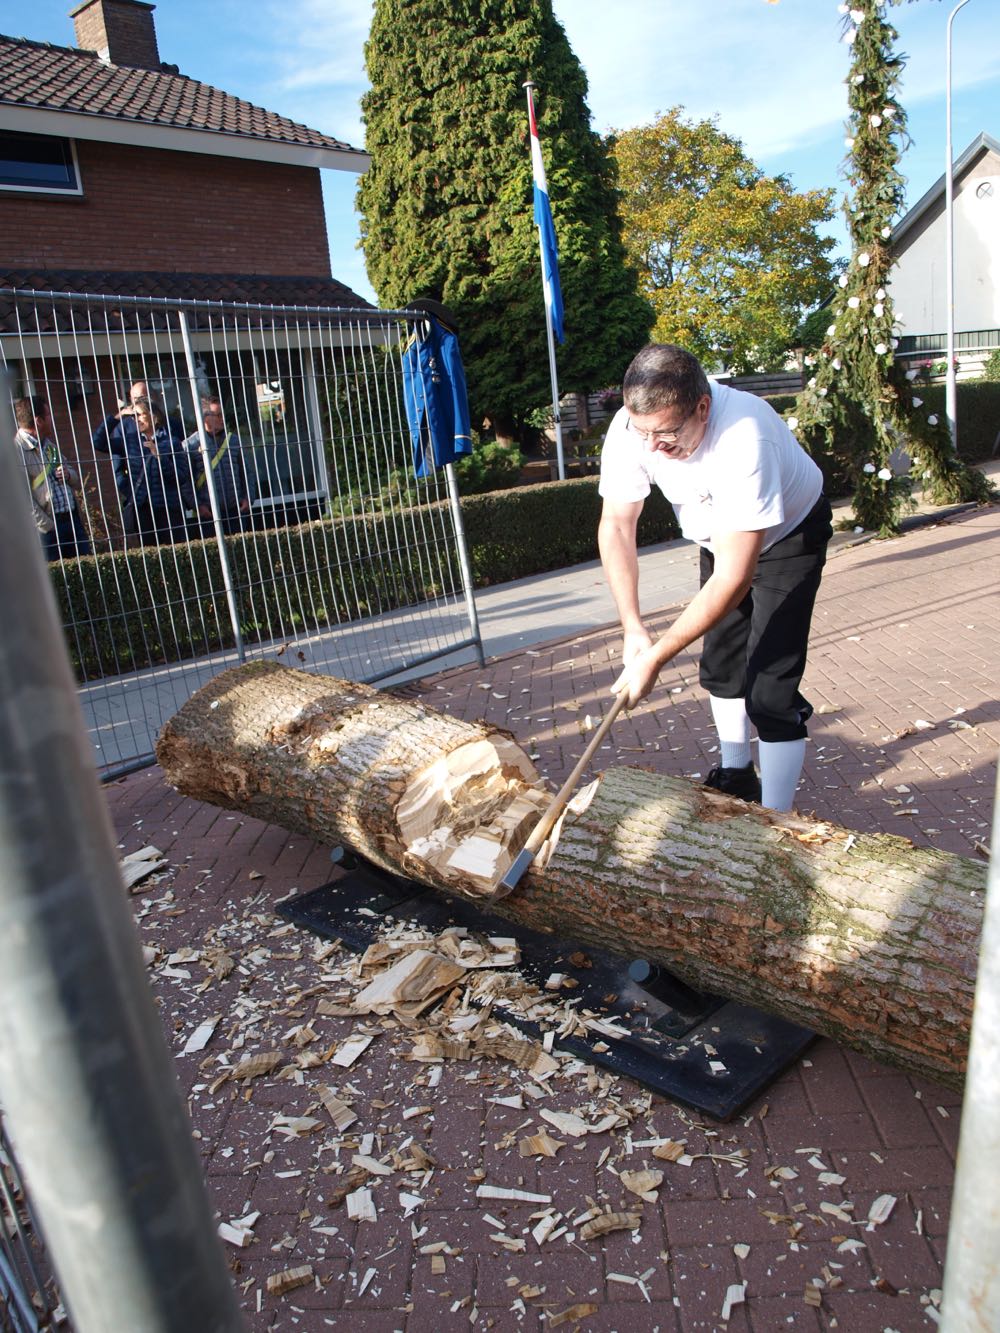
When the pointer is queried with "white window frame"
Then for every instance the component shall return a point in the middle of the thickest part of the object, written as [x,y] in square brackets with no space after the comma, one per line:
[70,192]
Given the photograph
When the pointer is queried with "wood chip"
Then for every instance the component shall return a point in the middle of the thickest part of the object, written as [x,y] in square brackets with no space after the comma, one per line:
[735,1295]
[371,1165]
[366,1281]
[851,1246]
[294,1126]
[512,1196]
[673,1152]
[139,865]
[605,1222]
[354,1179]
[515,1244]
[575,1312]
[781,1173]
[238,1236]
[566,1123]
[348,1051]
[643,1183]
[202,1035]
[289,1279]
[545,1227]
[253,1066]
[420,976]
[360,1206]
[813,1296]
[339,1112]
[880,1211]
[539,1145]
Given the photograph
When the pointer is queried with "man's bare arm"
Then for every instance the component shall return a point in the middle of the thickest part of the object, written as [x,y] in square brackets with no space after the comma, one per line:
[616,540]
[736,555]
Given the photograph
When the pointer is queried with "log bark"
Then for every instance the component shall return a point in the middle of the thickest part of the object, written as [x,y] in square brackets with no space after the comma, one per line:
[862,937]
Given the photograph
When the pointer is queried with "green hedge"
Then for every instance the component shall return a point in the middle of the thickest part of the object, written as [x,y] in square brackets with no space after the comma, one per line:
[125,611]
[129,610]
[978,411]
[551,525]
[977,404]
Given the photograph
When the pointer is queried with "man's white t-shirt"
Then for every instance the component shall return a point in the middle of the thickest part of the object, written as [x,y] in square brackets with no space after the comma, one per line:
[749,473]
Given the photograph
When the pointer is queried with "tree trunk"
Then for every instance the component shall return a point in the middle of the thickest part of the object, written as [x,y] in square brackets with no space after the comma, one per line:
[862,937]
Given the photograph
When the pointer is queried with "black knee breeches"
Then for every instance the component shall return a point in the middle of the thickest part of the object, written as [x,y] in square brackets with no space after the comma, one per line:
[758,652]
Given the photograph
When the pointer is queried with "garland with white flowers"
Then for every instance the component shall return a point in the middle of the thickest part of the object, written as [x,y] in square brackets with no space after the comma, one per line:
[859,406]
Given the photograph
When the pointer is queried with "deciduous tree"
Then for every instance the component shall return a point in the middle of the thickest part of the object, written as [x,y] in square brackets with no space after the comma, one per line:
[447,203]
[730,258]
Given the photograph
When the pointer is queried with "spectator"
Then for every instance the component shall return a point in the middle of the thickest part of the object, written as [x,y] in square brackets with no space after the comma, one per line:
[159,488]
[228,468]
[52,481]
[122,441]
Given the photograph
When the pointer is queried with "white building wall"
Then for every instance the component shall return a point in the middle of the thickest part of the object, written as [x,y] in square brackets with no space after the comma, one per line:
[919,280]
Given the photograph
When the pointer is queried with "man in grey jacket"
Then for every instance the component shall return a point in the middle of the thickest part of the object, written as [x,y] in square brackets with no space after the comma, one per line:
[229,475]
[52,482]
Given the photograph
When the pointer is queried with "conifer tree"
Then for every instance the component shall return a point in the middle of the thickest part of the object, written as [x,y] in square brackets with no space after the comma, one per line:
[861,404]
[447,203]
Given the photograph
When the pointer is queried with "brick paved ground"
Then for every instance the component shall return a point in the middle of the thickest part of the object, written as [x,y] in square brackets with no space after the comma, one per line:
[903,675]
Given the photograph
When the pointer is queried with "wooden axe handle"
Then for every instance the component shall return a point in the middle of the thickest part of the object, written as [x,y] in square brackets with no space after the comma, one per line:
[544,826]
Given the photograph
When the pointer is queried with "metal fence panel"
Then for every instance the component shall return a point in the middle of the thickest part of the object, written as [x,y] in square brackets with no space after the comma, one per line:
[29,1301]
[243,487]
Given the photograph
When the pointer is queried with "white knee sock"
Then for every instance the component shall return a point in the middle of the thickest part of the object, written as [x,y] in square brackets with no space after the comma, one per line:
[780,769]
[733,726]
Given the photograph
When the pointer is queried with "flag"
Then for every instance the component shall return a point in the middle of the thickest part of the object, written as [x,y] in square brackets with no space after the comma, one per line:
[546,231]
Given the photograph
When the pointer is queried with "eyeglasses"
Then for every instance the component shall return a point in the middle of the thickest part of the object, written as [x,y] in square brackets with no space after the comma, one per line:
[660,436]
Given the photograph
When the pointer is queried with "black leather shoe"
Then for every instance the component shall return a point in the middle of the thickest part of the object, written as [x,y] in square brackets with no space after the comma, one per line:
[741,782]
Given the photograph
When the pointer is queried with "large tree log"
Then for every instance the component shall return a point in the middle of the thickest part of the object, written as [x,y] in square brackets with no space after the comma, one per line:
[862,937]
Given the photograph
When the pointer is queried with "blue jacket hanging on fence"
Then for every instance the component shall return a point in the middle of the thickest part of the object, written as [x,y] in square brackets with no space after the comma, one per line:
[437,403]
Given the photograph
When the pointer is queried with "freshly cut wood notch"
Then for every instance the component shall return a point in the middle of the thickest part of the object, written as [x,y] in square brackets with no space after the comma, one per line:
[863,937]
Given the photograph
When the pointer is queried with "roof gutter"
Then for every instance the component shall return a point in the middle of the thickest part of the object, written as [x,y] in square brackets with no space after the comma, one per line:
[143,134]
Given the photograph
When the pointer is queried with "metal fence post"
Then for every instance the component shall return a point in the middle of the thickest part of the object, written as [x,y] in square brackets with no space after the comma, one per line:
[463,560]
[213,499]
[972,1268]
[86,1080]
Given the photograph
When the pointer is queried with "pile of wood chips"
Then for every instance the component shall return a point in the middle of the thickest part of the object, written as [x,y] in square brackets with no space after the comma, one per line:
[305,1013]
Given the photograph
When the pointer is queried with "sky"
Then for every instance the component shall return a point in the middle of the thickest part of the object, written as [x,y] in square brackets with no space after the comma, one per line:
[772,74]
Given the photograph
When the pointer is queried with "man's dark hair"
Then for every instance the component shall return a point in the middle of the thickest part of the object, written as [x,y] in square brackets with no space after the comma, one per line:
[663,375]
[27,409]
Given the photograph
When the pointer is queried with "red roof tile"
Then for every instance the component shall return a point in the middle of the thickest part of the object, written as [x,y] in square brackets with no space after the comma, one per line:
[61,78]
[252,289]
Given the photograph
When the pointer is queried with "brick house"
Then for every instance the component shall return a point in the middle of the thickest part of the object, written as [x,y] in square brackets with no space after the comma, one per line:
[120,176]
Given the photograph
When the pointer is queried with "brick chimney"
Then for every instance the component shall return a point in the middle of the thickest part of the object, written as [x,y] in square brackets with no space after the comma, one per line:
[120,31]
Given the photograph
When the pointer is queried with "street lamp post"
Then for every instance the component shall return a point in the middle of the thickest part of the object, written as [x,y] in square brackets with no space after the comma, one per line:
[949,204]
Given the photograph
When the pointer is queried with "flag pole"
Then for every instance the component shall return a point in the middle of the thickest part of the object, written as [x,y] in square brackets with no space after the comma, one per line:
[547,292]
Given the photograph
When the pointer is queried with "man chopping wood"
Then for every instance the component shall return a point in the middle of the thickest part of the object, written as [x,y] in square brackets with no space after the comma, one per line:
[745,490]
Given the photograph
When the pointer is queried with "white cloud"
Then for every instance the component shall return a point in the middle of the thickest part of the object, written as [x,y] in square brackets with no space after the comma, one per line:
[317,69]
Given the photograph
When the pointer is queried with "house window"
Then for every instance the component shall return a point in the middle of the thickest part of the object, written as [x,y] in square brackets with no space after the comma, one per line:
[37,163]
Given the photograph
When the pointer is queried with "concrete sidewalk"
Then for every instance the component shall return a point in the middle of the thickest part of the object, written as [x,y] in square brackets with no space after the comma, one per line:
[903,676]
[532,610]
